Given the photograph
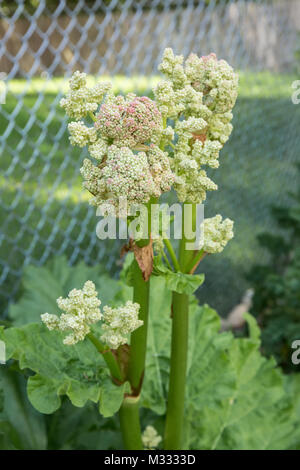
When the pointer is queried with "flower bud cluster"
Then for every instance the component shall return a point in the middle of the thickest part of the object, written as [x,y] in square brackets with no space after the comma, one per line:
[81,100]
[81,310]
[80,134]
[136,175]
[125,142]
[150,437]
[217,233]
[119,322]
[129,121]
[198,95]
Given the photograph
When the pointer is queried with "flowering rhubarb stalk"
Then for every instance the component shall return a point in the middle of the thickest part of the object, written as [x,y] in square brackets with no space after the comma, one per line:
[198,95]
[126,161]
[139,149]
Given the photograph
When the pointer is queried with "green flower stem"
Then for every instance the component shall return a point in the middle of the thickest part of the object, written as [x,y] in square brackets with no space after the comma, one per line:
[109,358]
[130,424]
[189,217]
[129,412]
[138,343]
[192,266]
[169,247]
[167,261]
[179,350]
[92,116]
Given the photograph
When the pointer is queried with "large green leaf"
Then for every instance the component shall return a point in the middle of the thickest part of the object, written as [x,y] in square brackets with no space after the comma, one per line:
[21,427]
[43,285]
[78,371]
[154,392]
[82,428]
[111,398]
[236,398]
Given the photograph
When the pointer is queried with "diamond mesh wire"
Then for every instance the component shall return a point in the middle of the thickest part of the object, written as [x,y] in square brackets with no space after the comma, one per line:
[43,210]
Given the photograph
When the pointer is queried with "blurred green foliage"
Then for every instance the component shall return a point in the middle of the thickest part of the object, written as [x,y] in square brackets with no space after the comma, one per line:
[276,302]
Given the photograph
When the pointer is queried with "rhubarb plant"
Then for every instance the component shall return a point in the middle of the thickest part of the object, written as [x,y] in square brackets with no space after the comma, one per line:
[147,344]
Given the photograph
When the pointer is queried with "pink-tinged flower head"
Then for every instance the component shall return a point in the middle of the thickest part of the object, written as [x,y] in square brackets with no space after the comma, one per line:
[210,56]
[129,122]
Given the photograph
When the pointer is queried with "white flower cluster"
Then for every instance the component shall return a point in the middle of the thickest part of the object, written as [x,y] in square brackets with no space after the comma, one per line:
[80,134]
[81,100]
[81,309]
[217,233]
[98,149]
[198,95]
[124,140]
[119,322]
[136,175]
[151,438]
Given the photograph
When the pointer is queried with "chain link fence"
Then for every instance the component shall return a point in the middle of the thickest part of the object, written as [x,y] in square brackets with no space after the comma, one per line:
[44,211]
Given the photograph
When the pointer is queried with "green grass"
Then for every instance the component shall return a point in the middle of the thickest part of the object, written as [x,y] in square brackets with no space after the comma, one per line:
[256,171]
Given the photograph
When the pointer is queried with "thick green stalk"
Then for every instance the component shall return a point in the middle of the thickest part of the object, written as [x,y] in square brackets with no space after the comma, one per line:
[189,215]
[179,349]
[130,424]
[138,343]
[138,346]
[129,411]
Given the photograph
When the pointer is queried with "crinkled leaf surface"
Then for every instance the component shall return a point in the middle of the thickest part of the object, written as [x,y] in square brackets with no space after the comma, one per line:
[235,398]
[21,427]
[82,428]
[111,398]
[178,282]
[43,285]
[154,392]
[184,283]
[78,371]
